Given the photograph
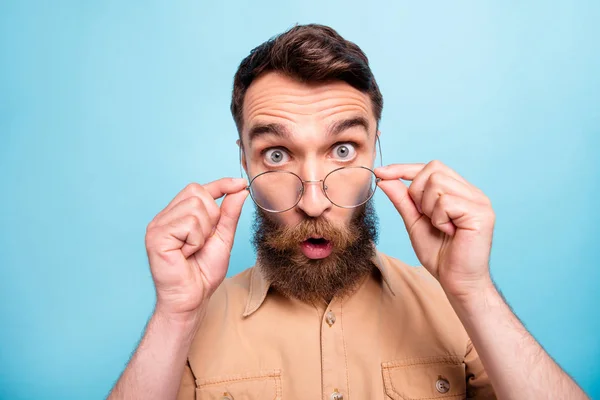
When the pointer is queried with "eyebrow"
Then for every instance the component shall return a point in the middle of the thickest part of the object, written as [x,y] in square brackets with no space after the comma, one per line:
[280,130]
[340,126]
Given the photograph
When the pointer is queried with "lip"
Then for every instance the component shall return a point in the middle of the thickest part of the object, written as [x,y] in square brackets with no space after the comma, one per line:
[316,251]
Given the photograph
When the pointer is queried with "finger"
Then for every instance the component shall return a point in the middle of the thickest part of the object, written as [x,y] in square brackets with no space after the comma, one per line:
[399,171]
[397,192]
[440,217]
[417,187]
[195,238]
[184,234]
[453,212]
[439,184]
[438,166]
[221,187]
[231,208]
[191,206]
[208,204]
[195,189]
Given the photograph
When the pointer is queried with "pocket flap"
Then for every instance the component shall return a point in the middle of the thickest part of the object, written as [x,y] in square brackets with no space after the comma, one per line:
[440,377]
[251,386]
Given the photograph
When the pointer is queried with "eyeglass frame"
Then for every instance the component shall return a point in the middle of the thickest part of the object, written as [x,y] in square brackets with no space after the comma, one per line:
[323,187]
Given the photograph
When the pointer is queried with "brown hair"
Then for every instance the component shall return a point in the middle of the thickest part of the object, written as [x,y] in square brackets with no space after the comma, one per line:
[309,53]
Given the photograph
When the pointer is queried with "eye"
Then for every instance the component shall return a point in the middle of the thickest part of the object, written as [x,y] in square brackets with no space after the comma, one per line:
[344,151]
[276,156]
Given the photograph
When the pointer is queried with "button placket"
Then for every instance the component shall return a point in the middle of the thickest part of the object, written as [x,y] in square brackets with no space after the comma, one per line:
[333,353]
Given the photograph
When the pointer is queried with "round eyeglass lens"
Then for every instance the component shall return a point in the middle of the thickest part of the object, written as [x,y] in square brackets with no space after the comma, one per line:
[276,191]
[350,186]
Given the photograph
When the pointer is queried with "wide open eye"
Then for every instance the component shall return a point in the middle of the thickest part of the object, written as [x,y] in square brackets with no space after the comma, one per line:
[276,156]
[344,151]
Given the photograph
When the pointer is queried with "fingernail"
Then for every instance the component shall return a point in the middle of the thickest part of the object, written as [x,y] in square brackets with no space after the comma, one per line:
[239,181]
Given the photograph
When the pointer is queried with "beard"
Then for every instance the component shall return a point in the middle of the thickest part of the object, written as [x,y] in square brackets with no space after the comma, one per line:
[294,275]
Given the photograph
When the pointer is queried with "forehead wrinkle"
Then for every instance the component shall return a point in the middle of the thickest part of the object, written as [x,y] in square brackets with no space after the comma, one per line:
[285,92]
[340,113]
[326,111]
[280,97]
[278,82]
[272,118]
[302,100]
[329,112]
[268,105]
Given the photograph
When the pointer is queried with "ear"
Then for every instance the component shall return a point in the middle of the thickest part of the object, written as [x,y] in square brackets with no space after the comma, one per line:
[377,144]
[242,156]
[377,147]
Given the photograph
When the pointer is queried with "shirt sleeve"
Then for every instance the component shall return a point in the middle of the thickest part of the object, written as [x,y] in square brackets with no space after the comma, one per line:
[187,388]
[479,386]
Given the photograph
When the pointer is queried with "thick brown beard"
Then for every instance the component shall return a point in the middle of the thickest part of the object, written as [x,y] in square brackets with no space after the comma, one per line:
[294,275]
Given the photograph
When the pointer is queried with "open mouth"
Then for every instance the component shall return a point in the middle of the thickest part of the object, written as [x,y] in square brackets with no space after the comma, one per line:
[316,248]
[317,241]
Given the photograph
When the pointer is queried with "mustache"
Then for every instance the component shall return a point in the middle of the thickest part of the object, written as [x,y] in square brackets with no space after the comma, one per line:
[288,237]
[271,235]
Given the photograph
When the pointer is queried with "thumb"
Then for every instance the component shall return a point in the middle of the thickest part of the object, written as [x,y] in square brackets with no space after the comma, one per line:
[398,194]
[231,208]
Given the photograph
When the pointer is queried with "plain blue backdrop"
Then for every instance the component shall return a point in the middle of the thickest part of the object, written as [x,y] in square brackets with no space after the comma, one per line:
[109,108]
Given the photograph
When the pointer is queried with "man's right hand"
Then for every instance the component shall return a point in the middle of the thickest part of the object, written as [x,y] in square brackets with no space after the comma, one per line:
[189,245]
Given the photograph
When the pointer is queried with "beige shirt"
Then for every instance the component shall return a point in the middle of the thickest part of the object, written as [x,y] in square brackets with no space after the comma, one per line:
[395,337]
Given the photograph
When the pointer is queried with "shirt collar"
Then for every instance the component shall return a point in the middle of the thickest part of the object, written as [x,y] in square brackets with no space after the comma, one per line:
[259,286]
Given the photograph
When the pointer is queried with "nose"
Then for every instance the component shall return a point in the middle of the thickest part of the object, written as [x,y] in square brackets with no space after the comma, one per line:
[314,203]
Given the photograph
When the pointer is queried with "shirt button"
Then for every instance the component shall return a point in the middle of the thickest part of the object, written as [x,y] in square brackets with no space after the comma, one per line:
[442,385]
[330,319]
[226,396]
[336,396]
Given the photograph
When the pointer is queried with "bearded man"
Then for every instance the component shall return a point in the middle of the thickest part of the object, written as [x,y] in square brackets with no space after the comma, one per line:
[323,314]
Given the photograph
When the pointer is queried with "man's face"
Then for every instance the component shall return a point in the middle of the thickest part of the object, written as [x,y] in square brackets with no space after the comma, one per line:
[315,249]
[290,126]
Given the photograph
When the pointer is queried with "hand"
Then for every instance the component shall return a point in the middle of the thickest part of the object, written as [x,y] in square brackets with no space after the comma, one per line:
[189,244]
[449,221]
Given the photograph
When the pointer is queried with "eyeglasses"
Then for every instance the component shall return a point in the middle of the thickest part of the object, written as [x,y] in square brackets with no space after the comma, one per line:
[345,187]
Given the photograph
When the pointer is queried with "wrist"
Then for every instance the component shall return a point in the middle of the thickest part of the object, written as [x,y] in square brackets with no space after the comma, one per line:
[477,297]
[183,325]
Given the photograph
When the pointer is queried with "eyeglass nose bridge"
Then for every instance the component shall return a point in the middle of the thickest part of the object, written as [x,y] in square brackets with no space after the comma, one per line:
[302,190]
[315,182]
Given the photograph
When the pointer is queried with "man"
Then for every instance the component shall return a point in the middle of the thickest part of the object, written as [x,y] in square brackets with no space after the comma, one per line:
[323,315]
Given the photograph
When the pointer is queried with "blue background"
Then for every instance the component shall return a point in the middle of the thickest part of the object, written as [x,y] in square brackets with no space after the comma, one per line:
[109,108]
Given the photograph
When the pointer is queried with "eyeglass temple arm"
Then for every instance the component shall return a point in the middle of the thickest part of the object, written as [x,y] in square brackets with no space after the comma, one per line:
[379,145]
[241,168]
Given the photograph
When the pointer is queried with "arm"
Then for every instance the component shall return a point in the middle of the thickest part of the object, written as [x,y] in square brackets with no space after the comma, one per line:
[189,245]
[450,224]
[499,336]
[156,368]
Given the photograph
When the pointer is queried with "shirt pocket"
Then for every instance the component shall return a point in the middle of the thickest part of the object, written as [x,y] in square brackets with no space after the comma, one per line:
[441,377]
[263,385]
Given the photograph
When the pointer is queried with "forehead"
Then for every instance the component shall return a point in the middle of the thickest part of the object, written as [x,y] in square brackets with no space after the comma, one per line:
[276,98]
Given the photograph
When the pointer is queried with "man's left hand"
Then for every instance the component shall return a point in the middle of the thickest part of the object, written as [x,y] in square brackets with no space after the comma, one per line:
[449,221]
